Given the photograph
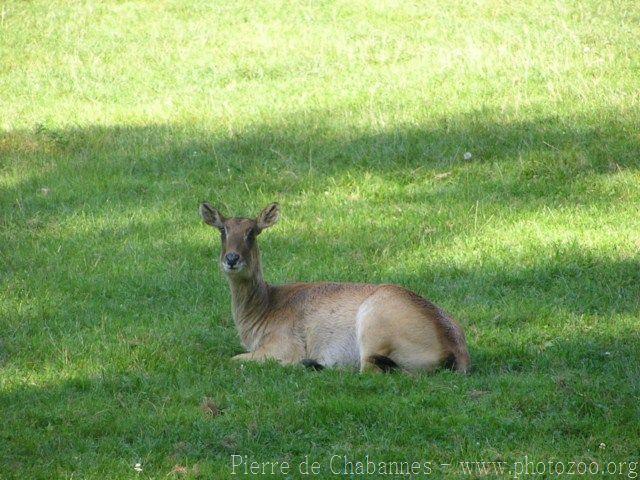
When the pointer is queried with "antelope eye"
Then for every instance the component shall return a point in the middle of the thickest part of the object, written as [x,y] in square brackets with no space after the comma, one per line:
[251,236]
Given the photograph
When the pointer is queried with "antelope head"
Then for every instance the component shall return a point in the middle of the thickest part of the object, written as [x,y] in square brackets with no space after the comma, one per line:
[239,255]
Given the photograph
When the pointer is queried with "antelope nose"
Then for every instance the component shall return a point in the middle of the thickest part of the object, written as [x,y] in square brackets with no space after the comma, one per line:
[231,258]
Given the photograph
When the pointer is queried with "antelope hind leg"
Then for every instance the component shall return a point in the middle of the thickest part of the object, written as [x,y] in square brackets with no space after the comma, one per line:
[393,332]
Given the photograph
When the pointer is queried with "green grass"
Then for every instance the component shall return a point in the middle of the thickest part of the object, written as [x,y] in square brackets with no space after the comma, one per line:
[117,118]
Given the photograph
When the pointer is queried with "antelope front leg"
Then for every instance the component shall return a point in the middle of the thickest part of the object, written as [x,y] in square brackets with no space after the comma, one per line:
[263,354]
[256,356]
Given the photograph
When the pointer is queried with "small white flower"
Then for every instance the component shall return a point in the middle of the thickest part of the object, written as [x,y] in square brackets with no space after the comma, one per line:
[467,156]
[602,446]
[607,353]
[137,467]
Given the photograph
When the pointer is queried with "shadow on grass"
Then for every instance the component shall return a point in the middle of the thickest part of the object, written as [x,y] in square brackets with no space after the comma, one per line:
[512,313]
[130,173]
[126,164]
[579,388]
[126,288]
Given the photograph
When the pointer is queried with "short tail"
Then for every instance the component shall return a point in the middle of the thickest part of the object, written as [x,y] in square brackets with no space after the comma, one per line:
[463,362]
[456,344]
[458,361]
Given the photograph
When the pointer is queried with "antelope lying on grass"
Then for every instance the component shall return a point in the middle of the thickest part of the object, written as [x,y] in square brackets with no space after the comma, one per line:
[375,327]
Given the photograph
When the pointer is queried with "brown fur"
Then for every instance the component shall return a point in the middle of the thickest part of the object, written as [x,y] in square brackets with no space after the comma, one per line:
[373,327]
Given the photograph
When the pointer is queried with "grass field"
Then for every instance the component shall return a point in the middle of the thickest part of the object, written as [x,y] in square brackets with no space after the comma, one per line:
[117,118]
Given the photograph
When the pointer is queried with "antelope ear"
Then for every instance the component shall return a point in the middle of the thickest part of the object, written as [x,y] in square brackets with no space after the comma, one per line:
[268,217]
[211,216]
